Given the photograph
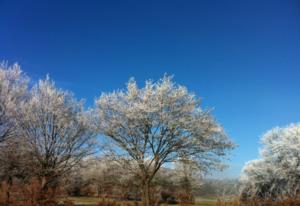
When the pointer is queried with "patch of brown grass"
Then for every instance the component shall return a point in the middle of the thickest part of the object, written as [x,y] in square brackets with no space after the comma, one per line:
[29,194]
[258,202]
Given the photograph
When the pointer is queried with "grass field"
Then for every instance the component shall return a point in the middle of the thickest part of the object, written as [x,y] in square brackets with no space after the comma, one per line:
[206,201]
[93,200]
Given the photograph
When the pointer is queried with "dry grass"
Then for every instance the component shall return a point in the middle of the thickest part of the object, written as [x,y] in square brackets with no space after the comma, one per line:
[199,202]
[32,193]
[94,201]
[256,202]
[29,194]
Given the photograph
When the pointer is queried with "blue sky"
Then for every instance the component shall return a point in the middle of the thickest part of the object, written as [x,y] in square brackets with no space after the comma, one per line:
[241,57]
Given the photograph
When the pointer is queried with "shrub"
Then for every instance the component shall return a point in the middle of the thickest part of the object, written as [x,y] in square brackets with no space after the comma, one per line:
[168,197]
[20,193]
[185,198]
[68,203]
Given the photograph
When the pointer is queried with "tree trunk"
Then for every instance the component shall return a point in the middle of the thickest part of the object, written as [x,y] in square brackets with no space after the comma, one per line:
[9,185]
[7,198]
[98,191]
[145,193]
[44,191]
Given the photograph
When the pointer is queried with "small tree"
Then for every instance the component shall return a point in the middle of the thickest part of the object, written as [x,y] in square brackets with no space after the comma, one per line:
[57,131]
[160,123]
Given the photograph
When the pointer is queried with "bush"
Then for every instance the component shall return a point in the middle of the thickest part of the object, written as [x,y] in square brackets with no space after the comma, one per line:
[19,193]
[68,203]
[168,197]
[185,198]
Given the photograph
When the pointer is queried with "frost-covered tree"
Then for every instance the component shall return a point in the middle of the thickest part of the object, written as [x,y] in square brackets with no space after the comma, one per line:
[277,174]
[261,179]
[13,87]
[57,131]
[160,123]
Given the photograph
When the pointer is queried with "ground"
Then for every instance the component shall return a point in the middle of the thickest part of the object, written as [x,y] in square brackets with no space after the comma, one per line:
[93,200]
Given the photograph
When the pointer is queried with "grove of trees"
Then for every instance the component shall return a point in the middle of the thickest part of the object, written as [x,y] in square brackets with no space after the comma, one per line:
[46,134]
[152,143]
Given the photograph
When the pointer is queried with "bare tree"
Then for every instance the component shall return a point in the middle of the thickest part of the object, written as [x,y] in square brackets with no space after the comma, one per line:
[160,123]
[57,130]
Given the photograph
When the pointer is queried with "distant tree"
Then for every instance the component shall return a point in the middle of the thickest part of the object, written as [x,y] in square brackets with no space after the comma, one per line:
[224,189]
[160,123]
[188,177]
[277,174]
[102,177]
[57,131]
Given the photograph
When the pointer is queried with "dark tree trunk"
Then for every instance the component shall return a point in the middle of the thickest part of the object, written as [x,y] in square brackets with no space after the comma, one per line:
[146,192]
[9,185]
[47,191]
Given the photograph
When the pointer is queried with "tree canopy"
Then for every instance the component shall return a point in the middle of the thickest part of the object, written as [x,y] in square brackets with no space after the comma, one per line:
[160,123]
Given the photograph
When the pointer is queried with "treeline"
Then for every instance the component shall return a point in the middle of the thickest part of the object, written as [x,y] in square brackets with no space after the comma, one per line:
[103,178]
[46,134]
[153,143]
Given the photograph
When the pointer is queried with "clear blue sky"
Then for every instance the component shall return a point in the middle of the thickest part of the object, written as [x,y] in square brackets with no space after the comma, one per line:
[241,57]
